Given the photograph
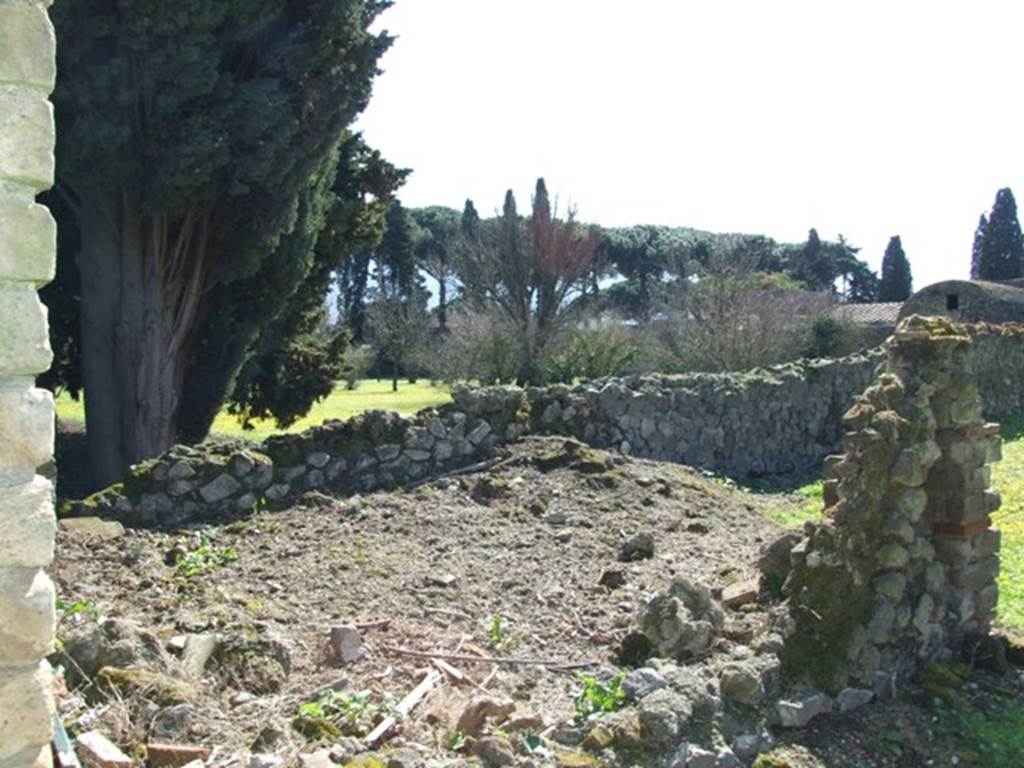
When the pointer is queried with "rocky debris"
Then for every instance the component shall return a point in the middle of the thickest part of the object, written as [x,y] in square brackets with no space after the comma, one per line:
[741,682]
[798,712]
[494,752]
[612,578]
[259,760]
[93,527]
[641,682]
[637,547]
[172,722]
[741,593]
[480,710]
[346,644]
[197,652]
[850,699]
[695,757]
[173,755]
[259,665]
[660,715]
[97,751]
[321,758]
[157,687]
[683,620]
[112,642]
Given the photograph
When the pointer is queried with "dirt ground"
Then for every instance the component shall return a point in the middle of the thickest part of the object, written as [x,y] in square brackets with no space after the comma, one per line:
[506,562]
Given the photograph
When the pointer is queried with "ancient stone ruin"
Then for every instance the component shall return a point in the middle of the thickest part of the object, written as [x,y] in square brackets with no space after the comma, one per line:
[902,568]
[27,257]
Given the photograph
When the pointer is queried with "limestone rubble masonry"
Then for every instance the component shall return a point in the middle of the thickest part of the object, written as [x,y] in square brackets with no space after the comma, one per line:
[27,261]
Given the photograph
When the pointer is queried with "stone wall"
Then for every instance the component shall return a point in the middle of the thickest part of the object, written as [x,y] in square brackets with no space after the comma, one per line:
[761,422]
[27,253]
[374,450]
[902,567]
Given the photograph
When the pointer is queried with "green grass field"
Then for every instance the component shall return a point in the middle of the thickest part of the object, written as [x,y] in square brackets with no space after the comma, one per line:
[340,404]
[1007,478]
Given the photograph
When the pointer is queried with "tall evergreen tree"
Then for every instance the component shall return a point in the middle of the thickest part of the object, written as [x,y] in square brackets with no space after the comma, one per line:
[470,222]
[1002,252]
[396,254]
[978,248]
[813,264]
[896,283]
[198,146]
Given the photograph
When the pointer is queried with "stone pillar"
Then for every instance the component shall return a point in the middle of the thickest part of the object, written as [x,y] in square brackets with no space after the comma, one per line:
[902,568]
[27,259]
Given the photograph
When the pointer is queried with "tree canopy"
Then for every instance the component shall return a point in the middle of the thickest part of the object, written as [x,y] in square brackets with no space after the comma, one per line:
[896,283]
[202,149]
[998,251]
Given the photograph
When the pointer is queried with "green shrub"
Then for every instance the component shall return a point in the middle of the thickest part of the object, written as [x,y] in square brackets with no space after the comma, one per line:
[593,353]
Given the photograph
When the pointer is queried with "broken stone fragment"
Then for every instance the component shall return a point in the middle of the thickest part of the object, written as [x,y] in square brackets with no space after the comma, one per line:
[641,682]
[638,547]
[197,651]
[346,644]
[798,712]
[741,682]
[94,527]
[612,578]
[480,709]
[740,594]
[174,755]
[850,699]
[494,752]
[97,751]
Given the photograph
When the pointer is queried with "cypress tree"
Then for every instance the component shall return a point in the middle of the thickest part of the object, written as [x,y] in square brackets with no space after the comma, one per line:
[198,149]
[1002,252]
[978,248]
[470,222]
[896,283]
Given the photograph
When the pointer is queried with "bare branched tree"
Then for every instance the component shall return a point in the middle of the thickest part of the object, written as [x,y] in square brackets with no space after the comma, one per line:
[530,271]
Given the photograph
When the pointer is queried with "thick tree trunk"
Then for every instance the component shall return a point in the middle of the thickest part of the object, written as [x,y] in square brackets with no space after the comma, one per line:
[131,362]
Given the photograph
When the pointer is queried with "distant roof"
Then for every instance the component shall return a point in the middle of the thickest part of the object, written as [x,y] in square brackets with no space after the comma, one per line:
[883,312]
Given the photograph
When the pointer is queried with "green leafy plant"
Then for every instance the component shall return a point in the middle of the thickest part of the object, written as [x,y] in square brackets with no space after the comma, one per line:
[457,740]
[79,607]
[494,631]
[597,697]
[335,713]
[204,558]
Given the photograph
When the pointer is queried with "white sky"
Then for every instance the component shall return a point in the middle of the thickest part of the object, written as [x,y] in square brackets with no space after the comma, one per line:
[765,116]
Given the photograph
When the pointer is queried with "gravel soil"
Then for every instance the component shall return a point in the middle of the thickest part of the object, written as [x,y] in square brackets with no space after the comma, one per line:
[503,562]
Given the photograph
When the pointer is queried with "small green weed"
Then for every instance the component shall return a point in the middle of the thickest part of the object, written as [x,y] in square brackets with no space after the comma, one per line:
[597,697]
[457,740]
[336,713]
[204,558]
[80,607]
[494,631]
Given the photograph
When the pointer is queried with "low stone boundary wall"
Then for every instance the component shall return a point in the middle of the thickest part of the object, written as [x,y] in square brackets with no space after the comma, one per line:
[378,449]
[761,422]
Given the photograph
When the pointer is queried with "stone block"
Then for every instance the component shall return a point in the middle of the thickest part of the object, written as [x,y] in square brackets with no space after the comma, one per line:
[26,704]
[26,137]
[27,524]
[25,347]
[26,425]
[27,606]
[28,241]
[29,45]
